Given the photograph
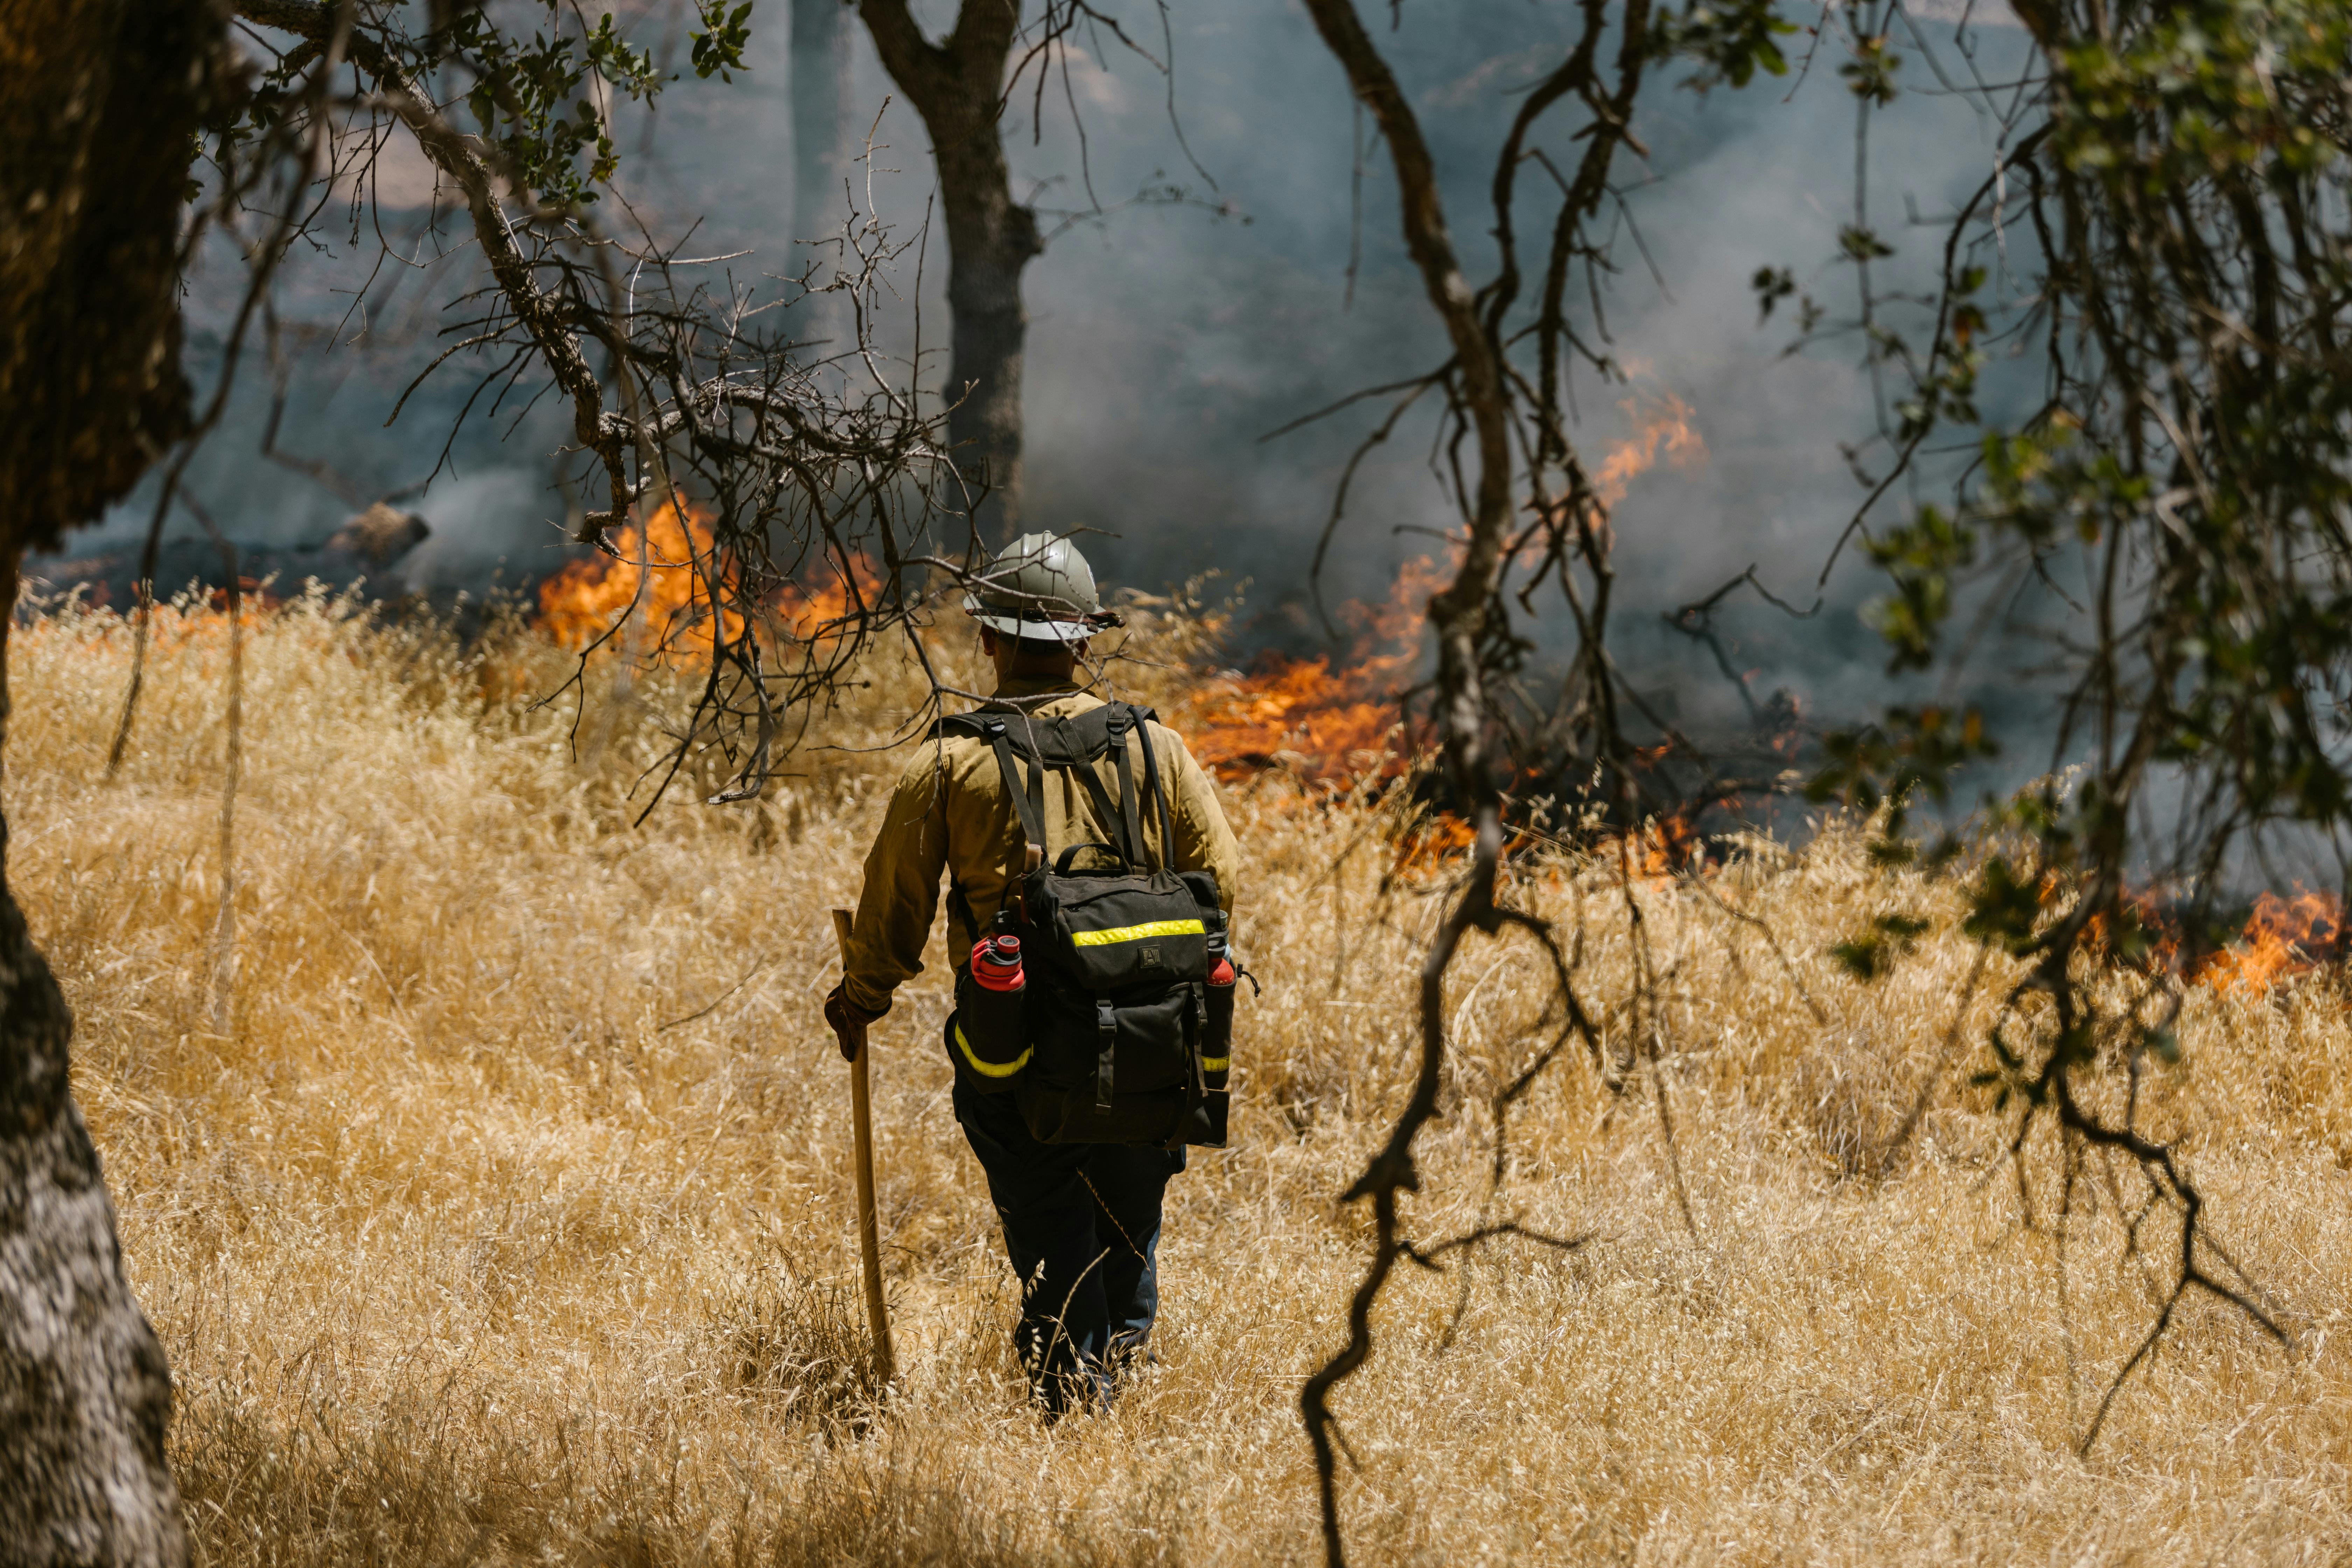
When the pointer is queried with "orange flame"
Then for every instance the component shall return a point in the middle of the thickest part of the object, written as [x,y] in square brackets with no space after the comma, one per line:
[1664,423]
[1663,849]
[1427,846]
[1321,721]
[1329,719]
[580,603]
[814,613]
[1668,845]
[2284,937]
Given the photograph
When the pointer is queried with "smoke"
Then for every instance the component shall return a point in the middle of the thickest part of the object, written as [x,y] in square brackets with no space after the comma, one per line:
[1167,343]
[497,533]
[1171,335]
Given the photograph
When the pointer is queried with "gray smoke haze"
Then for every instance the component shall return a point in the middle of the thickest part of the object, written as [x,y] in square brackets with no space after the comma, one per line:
[1166,340]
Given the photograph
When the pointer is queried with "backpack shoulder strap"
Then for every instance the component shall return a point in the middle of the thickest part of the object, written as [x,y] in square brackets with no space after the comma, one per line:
[1074,742]
[1106,730]
[1115,729]
[995,732]
[1078,742]
[970,726]
[1142,718]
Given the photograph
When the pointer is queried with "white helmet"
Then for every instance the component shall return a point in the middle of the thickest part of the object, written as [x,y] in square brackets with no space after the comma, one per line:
[1040,589]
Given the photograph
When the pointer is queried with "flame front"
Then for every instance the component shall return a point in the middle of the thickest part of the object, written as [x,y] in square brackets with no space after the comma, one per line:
[1662,426]
[2284,938]
[1320,722]
[1334,719]
[808,614]
[581,603]
[1666,846]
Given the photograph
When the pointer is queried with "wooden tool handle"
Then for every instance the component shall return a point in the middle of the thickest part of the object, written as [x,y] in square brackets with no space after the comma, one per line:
[869,1238]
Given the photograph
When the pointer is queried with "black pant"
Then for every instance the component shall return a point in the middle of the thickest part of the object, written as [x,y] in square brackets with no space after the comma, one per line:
[1081,1226]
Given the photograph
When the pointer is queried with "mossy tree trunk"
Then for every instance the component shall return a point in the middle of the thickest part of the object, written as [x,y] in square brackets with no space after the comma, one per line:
[99,102]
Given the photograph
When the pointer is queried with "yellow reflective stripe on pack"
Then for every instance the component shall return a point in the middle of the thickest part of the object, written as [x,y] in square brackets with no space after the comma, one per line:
[991,1069]
[1136,933]
[1215,1064]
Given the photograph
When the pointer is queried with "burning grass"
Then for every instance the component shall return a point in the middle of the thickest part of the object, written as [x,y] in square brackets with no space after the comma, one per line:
[1312,718]
[509,1217]
[665,566]
[661,574]
[2284,937]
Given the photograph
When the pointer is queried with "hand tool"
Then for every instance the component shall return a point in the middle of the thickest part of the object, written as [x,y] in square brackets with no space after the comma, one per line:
[869,1241]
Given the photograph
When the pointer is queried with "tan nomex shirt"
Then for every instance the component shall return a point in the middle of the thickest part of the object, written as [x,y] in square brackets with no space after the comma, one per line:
[950,812]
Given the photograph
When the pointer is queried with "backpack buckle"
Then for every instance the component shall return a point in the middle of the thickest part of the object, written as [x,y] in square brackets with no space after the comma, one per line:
[1105,1042]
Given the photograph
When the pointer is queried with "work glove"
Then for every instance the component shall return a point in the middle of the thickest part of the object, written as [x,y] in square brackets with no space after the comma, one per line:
[848,1020]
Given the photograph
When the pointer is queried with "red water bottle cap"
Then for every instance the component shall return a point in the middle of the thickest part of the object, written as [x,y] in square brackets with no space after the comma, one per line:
[996,963]
[1224,974]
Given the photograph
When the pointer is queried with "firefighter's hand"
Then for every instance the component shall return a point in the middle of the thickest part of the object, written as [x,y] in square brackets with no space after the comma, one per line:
[849,1021]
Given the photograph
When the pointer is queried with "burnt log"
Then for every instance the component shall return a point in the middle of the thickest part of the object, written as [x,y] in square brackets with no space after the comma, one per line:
[380,535]
[354,554]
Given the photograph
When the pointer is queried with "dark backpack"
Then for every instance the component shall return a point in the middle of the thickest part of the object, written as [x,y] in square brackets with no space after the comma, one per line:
[1106,1044]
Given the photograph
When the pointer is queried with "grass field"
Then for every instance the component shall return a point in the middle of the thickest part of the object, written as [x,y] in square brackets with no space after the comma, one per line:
[489,1185]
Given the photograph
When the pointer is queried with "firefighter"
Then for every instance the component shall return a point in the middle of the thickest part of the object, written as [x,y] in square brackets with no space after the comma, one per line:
[1081,1221]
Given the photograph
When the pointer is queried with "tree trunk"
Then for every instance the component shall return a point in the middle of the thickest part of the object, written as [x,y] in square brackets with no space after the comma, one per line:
[958,88]
[99,102]
[820,140]
[820,165]
[85,1394]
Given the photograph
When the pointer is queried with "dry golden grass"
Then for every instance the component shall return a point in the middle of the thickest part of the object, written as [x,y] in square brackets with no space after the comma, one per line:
[466,1249]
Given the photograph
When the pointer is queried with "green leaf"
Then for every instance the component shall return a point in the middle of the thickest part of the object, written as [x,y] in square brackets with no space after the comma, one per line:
[1860,244]
[1730,39]
[719,47]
